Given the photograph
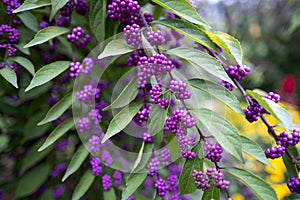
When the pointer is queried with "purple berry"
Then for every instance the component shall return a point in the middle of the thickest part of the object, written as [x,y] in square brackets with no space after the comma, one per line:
[10,50]
[96,168]
[161,187]
[273,97]
[11,5]
[275,152]
[132,34]
[172,181]
[180,90]
[155,38]
[83,125]
[118,178]
[67,10]
[135,56]
[143,115]
[148,17]
[88,94]
[147,138]
[253,112]
[213,151]
[294,185]
[227,85]
[75,69]
[153,167]
[237,72]
[87,66]
[82,7]
[11,33]
[165,156]
[58,191]
[58,170]
[106,182]
[106,158]
[94,144]
[189,155]
[201,180]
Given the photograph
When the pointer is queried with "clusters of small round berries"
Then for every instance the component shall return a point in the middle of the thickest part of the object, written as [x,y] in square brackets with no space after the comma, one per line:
[135,56]
[95,116]
[58,170]
[58,191]
[87,65]
[125,11]
[77,36]
[118,178]
[172,181]
[88,94]
[83,124]
[96,168]
[148,17]
[75,68]
[155,93]
[132,34]
[94,144]
[153,167]
[82,8]
[155,38]
[189,155]
[180,90]
[165,156]
[275,152]
[12,33]
[201,179]
[254,111]
[161,186]
[106,158]
[227,85]
[213,151]
[106,182]
[294,185]
[157,64]
[147,138]
[11,5]
[143,114]
[10,50]
[273,97]
[13,67]
[237,72]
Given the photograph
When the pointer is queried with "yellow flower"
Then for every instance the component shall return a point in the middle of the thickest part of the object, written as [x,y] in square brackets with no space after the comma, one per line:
[237,196]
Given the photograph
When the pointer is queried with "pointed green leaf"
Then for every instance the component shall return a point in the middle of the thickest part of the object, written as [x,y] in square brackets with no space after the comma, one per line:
[46,34]
[121,120]
[132,184]
[201,60]
[97,18]
[229,44]
[84,184]
[291,168]
[221,129]
[211,193]
[186,180]
[218,92]
[57,110]
[56,5]
[183,9]
[31,181]
[47,73]
[32,4]
[257,185]
[57,133]
[115,48]
[25,63]
[139,157]
[29,20]
[110,194]
[79,156]
[191,31]
[144,158]
[10,76]
[126,96]
[253,149]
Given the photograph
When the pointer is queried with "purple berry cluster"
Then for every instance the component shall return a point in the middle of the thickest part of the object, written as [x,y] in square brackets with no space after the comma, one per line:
[227,85]
[83,125]
[148,17]
[87,66]
[179,116]
[275,152]
[11,33]
[132,34]
[95,144]
[118,178]
[189,155]
[161,186]
[153,167]
[213,151]
[82,8]
[77,36]
[135,56]
[125,11]
[106,182]
[58,170]
[155,92]
[273,97]
[10,50]
[147,138]
[13,67]
[253,112]
[201,179]
[95,116]
[155,38]
[11,5]
[106,158]
[58,191]
[165,156]
[75,68]
[96,168]
[157,64]
[180,90]
[88,94]
[294,185]
[143,115]
[237,72]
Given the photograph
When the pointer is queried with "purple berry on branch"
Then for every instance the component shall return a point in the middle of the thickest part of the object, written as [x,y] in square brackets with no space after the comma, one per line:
[83,42]
[153,167]
[155,38]
[275,152]
[172,181]
[161,187]
[87,65]
[106,158]
[253,112]
[88,94]
[148,17]
[165,156]
[118,178]
[76,34]
[147,138]
[96,168]
[67,10]
[227,85]
[58,191]
[95,116]
[189,155]
[237,72]
[83,124]
[294,185]
[82,7]
[296,137]
[180,90]
[75,69]
[106,182]
[135,56]
[11,33]
[213,151]
[10,50]
[132,34]
[273,97]
[11,5]
[201,180]
[143,115]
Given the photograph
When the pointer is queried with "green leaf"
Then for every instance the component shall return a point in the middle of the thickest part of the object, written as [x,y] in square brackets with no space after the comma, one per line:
[46,34]
[274,109]
[211,193]
[221,129]
[156,123]
[295,22]
[229,44]
[79,156]
[25,63]
[253,149]
[218,92]
[29,20]
[32,4]
[56,5]
[183,9]
[115,48]
[97,18]
[139,157]
[33,157]
[58,109]
[32,180]
[186,180]
[132,184]
[192,31]
[258,186]
[291,168]
[57,133]
[31,129]
[84,184]
[143,161]
[201,60]
[20,47]
[121,120]
[110,194]
[10,76]
[47,73]
[126,96]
